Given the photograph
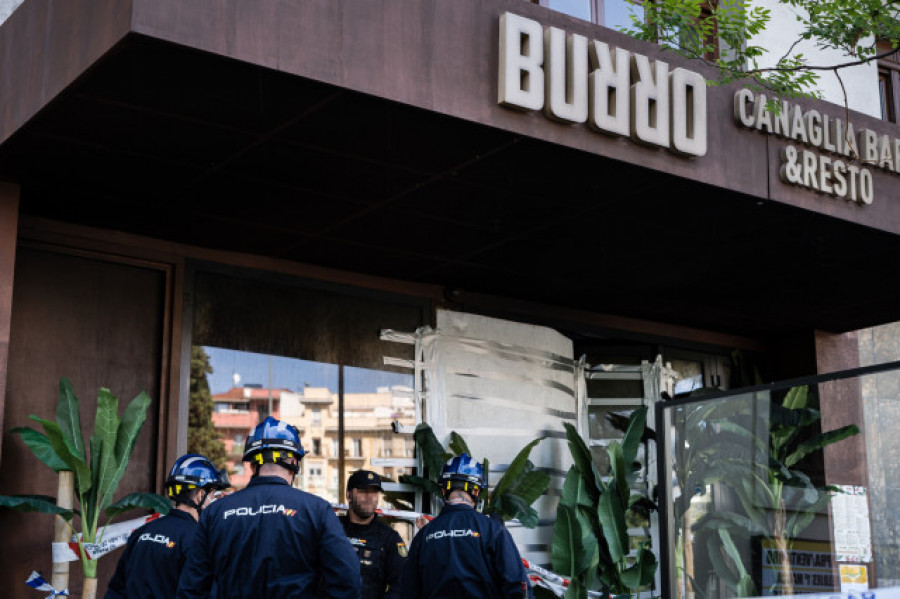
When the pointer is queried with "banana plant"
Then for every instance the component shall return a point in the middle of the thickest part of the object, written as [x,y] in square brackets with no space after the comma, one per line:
[777,500]
[97,472]
[511,498]
[590,538]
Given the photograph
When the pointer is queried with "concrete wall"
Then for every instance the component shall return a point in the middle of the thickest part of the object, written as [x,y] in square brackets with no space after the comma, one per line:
[881,404]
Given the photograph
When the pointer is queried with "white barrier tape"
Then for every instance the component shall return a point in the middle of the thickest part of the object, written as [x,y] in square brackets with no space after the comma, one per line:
[113,535]
[37,582]
[552,581]
[885,593]
[399,514]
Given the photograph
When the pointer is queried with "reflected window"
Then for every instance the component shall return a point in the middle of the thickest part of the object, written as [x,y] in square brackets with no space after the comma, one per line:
[575,8]
[615,14]
[308,356]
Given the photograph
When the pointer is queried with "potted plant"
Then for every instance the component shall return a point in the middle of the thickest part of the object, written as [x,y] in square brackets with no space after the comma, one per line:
[96,469]
[512,496]
[590,538]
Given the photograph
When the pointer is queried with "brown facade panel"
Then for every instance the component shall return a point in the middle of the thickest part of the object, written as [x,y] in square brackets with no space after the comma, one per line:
[841,404]
[46,45]
[443,57]
[9,218]
[101,325]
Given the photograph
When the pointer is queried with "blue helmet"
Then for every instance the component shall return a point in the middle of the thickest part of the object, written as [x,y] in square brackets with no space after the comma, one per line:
[463,472]
[194,471]
[269,439]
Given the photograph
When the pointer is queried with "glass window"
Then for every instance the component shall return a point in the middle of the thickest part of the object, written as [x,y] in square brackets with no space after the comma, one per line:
[886,94]
[575,8]
[614,14]
[617,14]
[300,351]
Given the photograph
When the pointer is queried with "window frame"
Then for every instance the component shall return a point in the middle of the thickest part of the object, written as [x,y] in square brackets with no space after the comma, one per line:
[889,73]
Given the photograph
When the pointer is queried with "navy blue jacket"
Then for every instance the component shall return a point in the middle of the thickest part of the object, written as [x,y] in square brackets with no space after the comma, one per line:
[381,553]
[462,553]
[269,540]
[154,557]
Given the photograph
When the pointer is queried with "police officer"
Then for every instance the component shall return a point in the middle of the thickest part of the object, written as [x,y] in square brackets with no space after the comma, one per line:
[269,539]
[463,553]
[380,549]
[156,552]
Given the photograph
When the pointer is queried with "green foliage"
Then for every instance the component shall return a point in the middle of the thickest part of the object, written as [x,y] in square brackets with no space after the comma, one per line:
[202,435]
[590,538]
[36,503]
[776,500]
[520,486]
[723,37]
[61,447]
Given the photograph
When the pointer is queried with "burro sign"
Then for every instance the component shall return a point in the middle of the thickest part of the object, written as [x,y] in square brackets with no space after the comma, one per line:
[614,91]
[825,150]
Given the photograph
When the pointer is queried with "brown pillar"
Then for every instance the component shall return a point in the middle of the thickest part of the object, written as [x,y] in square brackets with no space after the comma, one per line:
[9,223]
[841,404]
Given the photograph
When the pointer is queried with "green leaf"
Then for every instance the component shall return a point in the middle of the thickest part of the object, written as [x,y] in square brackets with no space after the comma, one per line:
[722,569]
[103,444]
[611,512]
[531,485]
[574,548]
[516,467]
[430,450]
[512,506]
[800,519]
[458,444]
[426,484]
[149,501]
[36,503]
[820,441]
[796,398]
[76,465]
[732,552]
[129,429]
[574,491]
[566,542]
[41,447]
[619,471]
[632,439]
[641,573]
[68,416]
[746,587]
[581,456]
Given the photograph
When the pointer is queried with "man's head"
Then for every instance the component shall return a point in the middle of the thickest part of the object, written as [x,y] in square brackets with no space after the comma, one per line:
[193,479]
[363,488]
[277,443]
[463,473]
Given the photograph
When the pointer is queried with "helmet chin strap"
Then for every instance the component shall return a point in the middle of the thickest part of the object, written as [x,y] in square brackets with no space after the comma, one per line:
[204,493]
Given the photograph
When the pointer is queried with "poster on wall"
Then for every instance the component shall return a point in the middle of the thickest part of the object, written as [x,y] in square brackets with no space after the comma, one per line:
[850,515]
[854,578]
[810,568]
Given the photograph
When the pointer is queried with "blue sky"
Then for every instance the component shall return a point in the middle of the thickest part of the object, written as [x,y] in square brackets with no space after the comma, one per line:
[291,373]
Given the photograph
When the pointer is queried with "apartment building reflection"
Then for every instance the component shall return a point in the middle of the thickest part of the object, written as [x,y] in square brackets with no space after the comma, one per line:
[368,442]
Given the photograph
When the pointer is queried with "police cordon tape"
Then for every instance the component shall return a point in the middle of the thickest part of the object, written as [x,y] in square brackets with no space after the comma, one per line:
[113,537]
[550,580]
[37,582]
[389,513]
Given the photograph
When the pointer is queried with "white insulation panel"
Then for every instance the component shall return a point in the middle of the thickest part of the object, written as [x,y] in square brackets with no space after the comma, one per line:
[501,384]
